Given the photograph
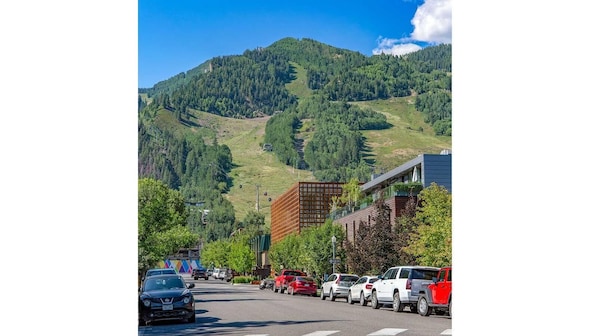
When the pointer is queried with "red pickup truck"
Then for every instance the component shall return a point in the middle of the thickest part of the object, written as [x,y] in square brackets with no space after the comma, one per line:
[437,296]
[282,280]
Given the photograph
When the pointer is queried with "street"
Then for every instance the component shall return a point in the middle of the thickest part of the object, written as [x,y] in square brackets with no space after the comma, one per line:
[226,309]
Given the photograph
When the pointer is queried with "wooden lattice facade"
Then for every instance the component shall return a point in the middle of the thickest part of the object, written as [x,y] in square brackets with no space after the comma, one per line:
[304,205]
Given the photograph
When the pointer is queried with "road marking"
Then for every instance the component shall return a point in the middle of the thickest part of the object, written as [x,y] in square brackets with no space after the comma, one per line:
[387,332]
[447,332]
[322,333]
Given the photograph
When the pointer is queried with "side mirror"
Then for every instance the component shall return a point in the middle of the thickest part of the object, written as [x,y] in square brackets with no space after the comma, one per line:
[434,279]
[190,285]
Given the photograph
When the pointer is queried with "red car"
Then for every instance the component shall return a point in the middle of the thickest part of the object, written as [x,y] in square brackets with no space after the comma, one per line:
[302,285]
[437,297]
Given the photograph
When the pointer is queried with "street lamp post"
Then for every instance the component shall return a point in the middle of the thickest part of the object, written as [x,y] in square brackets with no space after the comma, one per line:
[333,254]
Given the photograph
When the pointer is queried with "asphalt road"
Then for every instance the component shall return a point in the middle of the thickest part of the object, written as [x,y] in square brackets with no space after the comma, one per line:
[226,309]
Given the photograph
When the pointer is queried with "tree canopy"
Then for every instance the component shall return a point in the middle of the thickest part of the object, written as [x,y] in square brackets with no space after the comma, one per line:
[161,223]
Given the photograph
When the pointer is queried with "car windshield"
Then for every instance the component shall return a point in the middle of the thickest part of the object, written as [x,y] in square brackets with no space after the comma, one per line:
[305,279]
[160,283]
[160,271]
[423,274]
[349,278]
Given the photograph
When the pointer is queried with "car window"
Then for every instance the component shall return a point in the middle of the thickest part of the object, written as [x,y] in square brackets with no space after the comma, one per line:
[404,273]
[332,277]
[360,281]
[449,275]
[164,283]
[348,278]
[423,274]
[390,274]
[305,279]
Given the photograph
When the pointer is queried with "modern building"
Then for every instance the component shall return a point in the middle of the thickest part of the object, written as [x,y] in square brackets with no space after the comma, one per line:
[304,205]
[395,187]
[308,204]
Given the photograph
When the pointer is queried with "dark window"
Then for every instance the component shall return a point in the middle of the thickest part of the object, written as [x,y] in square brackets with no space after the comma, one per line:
[404,273]
[423,274]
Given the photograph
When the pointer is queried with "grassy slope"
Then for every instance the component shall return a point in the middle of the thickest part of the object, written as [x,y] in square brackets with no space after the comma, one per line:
[253,166]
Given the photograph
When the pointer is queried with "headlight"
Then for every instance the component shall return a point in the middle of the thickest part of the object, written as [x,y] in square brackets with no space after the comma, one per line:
[147,302]
[186,299]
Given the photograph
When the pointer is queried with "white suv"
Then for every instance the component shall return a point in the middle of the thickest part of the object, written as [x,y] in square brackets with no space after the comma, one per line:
[401,285]
[337,285]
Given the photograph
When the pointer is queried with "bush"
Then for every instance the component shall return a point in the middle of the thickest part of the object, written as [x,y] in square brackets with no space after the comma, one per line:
[243,279]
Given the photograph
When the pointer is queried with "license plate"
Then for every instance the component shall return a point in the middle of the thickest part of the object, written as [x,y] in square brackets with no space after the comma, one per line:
[306,285]
[167,307]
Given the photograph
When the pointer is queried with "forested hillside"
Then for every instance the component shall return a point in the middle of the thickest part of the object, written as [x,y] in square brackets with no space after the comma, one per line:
[315,98]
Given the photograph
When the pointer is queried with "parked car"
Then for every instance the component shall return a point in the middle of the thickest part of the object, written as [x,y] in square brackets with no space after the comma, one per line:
[281,280]
[166,297]
[226,274]
[302,285]
[437,297]
[215,273]
[362,290]
[199,273]
[210,271]
[400,286]
[337,285]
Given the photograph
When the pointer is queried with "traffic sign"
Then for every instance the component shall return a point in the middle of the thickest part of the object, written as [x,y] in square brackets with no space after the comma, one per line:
[335,261]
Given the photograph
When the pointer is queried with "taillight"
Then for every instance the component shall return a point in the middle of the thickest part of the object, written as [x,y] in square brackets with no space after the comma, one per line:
[368,286]
[338,280]
[408,285]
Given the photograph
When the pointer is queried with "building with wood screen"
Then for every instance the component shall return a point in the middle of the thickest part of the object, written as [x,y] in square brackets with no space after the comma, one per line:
[304,205]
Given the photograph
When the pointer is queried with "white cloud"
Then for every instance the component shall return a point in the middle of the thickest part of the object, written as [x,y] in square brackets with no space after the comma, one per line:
[432,23]
[390,47]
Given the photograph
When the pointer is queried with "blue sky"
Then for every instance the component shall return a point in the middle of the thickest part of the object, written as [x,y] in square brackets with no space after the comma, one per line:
[175,36]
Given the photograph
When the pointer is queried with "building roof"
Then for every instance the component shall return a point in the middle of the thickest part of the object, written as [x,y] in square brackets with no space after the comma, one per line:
[389,177]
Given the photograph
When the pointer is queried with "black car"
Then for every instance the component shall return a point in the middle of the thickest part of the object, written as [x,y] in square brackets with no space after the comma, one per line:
[166,297]
[199,273]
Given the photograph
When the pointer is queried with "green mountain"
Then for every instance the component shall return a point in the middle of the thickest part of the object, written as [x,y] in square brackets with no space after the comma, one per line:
[203,131]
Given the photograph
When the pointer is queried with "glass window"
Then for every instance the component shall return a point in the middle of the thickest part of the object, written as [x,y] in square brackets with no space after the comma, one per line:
[423,274]
[404,273]
[441,276]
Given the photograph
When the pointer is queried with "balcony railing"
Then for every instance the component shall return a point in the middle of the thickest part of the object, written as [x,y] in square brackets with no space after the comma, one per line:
[397,189]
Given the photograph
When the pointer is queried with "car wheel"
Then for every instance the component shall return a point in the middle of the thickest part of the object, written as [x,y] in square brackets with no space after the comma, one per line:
[349,298]
[206,278]
[375,303]
[195,278]
[422,306]
[275,289]
[332,297]
[191,319]
[362,300]
[291,291]
[322,296]
[450,308]
[281,290]
[397,306]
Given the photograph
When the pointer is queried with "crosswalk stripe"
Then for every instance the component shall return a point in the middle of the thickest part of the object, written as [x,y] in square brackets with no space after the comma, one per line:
[322,333]
[387,332]
[447,332]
